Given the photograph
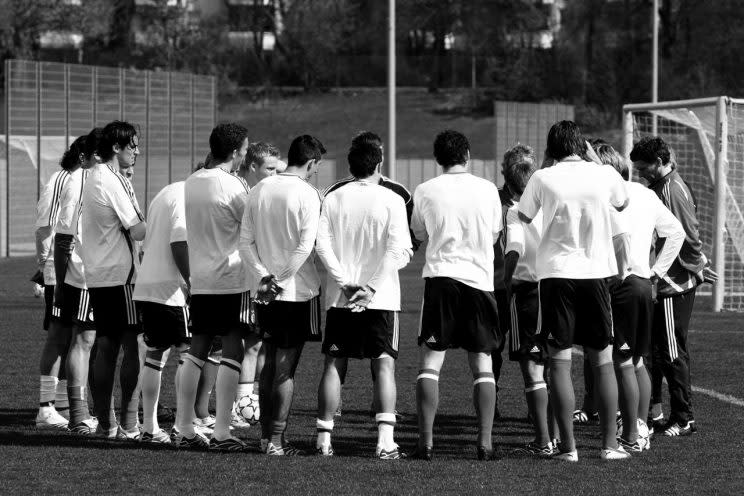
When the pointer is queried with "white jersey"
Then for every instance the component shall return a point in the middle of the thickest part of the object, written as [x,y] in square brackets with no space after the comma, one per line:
[68,222]
[461,215]
[47,211]
[278,235]
[214,204]
[159,280]
[363,239]
[109,210]
[644,215]
[523,239]
[575,197]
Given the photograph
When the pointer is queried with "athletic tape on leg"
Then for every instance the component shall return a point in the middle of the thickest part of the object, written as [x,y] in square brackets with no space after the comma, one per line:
[428,374]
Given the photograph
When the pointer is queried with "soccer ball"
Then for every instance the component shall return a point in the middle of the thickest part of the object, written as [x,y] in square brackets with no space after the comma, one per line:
[643,432]
[247,408]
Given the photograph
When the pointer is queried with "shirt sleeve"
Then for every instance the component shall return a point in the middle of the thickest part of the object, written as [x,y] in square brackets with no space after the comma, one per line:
[515,236]
[69,202]
[44,205]
[178,221]
[618,189]
[668,227]
[498,216]
[691,255]
[247,244]
[309,219]
[121,199]
[531,201]
[398,250]
[324,244]
[418,225]
[236,202]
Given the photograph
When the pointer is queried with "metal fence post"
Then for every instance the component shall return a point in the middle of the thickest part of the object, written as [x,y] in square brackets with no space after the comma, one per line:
[147,139]
[66,75]
[193,117]
[38,129]
[719,237]
[5,202]
[170,127]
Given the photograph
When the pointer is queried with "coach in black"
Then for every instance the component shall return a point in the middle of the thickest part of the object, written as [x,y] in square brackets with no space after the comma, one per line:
[653,160]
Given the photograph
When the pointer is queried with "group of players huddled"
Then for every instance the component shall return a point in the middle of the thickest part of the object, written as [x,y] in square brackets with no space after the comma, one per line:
[223,270]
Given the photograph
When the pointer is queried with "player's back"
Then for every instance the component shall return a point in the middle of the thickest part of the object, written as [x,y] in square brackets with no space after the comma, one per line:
[47,209]
[159,279]
[68,222]
[214,203]
[280,205]
[461,214]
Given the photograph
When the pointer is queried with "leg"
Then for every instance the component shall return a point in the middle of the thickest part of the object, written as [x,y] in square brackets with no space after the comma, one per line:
[329,391]
[53,355]
[589,405]
[129,379]
[385,393]
[286,360]
[266,381]
[536,393]
[252,345]
[152,371]
[677,370]
[260,362]
[188,379]
[227,382]
[605,390]
[427,394]
[204,388]
[628,396]
[484,396]
[659,347]
[644,387]
[562,396]
[78,361]
[107,354]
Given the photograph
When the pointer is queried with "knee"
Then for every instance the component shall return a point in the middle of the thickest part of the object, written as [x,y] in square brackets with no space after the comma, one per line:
[85,340]
[600,357]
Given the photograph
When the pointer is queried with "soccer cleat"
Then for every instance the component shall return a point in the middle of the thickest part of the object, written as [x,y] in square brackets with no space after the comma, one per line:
[569,456]
[229,445]
[109,433]
[196,443]
[534,449]
[237,422]
[159,437]
[205,425]
[393,454]
[582,417]
[484,454]
[324,450]
[290,450]
[131,435]
[656,424]
[85,427]
[50,419]
[636,446]
[614,453]
[425,453]
[675,430]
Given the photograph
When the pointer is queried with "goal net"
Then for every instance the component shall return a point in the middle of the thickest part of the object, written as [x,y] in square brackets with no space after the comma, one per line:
[707,138]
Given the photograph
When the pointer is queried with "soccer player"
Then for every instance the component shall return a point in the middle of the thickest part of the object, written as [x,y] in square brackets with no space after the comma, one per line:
[653,160]
[576,255]
[214,204]
[161,293]
[363,241]
[277,239]
[362,139]
[460,214]
[71,295]
[261,161]
[110,223]
[632,300]
[58,335]
[526,345]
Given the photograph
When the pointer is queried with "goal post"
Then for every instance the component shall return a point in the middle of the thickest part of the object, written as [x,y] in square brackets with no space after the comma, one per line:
[707,138]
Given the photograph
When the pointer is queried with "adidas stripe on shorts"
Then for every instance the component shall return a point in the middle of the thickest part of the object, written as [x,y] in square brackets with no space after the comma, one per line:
[525,341]
[366,334]
[114,310]
[289,324]
[632,316]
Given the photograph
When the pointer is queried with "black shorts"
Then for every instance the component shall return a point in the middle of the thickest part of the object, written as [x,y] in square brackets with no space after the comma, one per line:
[220,314]
[455,315]
[289,324]
[114,310]
[632,316]
[164,325]
[576,311]
[525,341]
[76,308]
[49,309]
[502,303]
[366,334]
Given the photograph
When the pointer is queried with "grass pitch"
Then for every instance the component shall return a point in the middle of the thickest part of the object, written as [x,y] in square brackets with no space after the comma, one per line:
[709,462]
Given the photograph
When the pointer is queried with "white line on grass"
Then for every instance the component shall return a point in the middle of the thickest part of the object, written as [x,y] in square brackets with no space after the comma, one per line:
[726,398]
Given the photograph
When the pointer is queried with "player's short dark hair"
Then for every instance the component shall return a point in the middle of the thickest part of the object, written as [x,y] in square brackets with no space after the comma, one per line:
[451,148]
[225,139]
[257,151]
[649,148]
[366,137]
[303,149]
[91,142]
[518,166]
[364,159]
[71,157]
[565,139]
[609,156]
[119,133]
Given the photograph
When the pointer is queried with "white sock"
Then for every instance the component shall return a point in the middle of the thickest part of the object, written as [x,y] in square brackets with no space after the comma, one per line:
[151,376]
[325,428]
[244,389]
[227,384]
[60,395]
[188,380]
[385,427]
[47,389]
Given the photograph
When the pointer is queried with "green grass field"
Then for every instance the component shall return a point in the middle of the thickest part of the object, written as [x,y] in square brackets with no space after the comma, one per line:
[710,462]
